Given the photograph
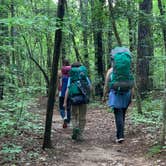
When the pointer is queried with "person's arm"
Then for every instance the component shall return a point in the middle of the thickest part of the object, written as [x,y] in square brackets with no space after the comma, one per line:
[89,83]
[106,84]
[58,83]
[132,93]
[66,96]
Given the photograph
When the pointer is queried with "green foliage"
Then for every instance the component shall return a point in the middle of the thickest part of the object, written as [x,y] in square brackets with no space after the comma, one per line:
[14,115]
[95,105]
[33,155]
[155,150]
[10,151]
[152,113]
[11,148]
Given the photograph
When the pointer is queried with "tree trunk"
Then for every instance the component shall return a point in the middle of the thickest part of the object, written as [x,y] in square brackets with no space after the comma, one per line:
[49,41]
[78,57]
[163,135]
[63,47]
[145,49]
[114,23]
[52,85]
[3,53]
[131,26]
[49,52]
[30,53]
[97,22]
[110,41]
[108,57]
[12,31]
[162,13]
[83,10]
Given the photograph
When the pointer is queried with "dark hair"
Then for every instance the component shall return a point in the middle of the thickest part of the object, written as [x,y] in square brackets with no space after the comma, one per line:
[65,62]
[76,64]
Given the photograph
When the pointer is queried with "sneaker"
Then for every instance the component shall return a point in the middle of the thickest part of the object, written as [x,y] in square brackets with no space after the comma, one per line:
[65,123]
[120,140]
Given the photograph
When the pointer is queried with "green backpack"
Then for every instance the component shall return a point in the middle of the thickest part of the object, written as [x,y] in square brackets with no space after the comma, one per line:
[121,79]
[79,89]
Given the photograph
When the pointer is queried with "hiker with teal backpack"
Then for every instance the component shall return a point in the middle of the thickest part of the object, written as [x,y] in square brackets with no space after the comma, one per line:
[78,92]
[119,82]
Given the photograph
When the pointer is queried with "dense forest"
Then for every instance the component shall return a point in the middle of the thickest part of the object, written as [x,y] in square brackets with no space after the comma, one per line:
[36,35]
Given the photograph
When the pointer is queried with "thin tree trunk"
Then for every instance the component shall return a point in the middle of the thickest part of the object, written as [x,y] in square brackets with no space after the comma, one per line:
[144,50]
[114,23]
[108,57]
[12,31]
[53,82]
[30,53]
[132,27]
[49,41]
[132,43]
[78,57]
[83,9]
[49,52]
[4,59]
[110,41]
[163,134]
[97,35]
[63,49]
[162,13]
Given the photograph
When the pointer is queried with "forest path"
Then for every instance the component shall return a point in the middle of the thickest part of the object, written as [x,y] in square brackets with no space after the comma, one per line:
[99,147]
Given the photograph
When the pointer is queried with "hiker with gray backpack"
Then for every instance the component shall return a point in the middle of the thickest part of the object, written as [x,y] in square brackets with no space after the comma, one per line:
[119,82]
[78,91]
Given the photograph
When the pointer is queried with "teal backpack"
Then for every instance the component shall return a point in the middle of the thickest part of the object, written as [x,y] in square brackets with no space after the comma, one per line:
[121,79]
[79,89]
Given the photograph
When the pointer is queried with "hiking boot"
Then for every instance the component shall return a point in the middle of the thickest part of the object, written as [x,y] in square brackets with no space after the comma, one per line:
[76,132]
[65,123]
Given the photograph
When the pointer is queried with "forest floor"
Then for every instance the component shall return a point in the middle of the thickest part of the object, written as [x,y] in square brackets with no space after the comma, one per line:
[97,149]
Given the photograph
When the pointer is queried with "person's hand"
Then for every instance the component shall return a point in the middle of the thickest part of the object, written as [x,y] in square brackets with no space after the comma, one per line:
[65,104]
[103,99]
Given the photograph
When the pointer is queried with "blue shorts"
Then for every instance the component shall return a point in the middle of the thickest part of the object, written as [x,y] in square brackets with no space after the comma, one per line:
[119,99]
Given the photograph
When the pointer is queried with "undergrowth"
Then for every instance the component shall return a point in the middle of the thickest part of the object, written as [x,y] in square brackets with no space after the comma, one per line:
[151,112]
[15,119]
[152,118]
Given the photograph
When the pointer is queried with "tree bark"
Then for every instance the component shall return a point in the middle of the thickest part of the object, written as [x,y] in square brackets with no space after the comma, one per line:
[144,50]
[163,134]
[53,82]
[49,52]
[97,22]
[12,31]
[4,60]
[114,23]
[162,13]
[78,57]
[30,53]
[131,26]
[83,11]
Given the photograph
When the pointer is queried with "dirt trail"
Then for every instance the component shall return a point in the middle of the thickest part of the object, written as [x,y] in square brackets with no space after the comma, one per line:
[99,147]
